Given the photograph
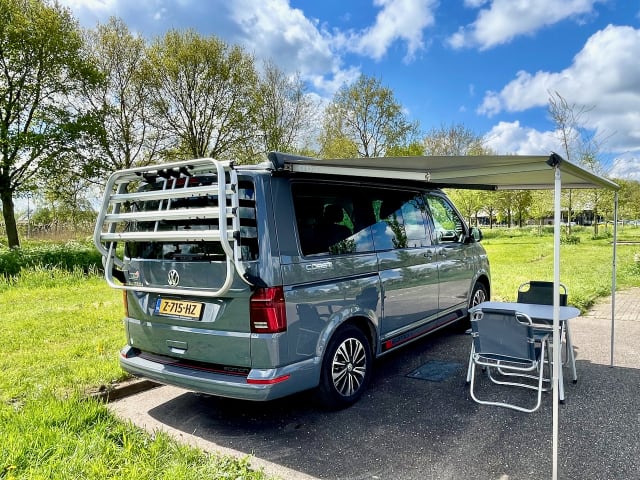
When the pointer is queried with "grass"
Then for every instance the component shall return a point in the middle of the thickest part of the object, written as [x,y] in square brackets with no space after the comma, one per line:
[61,335]
[520,255]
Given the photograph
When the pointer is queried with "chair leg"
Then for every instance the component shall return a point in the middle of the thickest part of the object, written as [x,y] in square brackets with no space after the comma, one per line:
[510,405]
[571,356]
[471,365]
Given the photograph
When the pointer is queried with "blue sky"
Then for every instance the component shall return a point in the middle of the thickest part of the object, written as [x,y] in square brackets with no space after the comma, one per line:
[486,64]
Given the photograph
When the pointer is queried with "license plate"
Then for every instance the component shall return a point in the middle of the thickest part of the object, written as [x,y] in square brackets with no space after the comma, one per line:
[178,308]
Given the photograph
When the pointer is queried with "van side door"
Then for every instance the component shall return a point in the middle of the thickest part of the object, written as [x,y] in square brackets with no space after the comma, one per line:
[407,267]
[453,256]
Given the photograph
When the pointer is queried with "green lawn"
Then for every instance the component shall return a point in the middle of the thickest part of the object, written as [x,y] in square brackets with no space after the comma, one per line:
[517,256]
[62,333]
[61,336]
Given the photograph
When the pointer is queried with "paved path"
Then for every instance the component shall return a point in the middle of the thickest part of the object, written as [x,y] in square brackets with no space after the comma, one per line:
[413,429]
[592,331]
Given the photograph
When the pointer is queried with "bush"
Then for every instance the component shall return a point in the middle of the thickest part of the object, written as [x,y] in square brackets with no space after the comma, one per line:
[569,239]
[68,256]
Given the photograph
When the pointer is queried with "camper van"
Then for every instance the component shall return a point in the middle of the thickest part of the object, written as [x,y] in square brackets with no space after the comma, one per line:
[258,281]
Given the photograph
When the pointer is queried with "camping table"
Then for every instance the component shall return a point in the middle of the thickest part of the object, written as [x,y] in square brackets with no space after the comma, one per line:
[542,316]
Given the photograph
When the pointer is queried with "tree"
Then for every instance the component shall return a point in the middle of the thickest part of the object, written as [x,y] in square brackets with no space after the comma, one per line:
[453,140]
[579,146]
[629,198]
[469,202]
[366,116]
[285,112]
[203,93]
[121,102]
[458,140]
[42,71]
[541,206]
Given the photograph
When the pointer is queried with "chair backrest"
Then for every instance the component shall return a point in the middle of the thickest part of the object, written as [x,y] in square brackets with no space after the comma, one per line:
[503,333]
[541,293]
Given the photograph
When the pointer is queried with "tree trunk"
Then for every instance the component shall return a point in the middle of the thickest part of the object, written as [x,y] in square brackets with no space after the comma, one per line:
[9,218]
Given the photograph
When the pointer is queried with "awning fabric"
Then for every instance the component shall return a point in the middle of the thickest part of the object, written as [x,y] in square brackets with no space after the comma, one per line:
[487,172]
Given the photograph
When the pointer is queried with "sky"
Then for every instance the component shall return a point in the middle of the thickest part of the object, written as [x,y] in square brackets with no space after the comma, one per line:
[489,65]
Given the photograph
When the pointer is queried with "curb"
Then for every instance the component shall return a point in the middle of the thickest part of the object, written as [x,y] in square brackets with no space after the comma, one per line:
[123,389]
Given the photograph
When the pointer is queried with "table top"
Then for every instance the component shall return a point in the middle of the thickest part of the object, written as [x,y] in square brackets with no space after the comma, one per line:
[533,310]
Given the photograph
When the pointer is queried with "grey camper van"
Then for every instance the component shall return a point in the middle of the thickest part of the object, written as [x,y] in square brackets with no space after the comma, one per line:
[255,282]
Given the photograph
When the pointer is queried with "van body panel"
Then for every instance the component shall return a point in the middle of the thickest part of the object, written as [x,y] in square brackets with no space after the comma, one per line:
[392,257]
[409,280]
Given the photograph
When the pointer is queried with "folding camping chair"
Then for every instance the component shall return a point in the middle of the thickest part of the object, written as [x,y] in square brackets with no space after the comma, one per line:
[541,293]
[504,344]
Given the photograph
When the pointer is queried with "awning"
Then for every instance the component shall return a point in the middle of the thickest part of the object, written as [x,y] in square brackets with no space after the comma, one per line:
[489,172]
[486,172]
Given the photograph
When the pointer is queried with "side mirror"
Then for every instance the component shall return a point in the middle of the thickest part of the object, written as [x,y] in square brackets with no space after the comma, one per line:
[476,234]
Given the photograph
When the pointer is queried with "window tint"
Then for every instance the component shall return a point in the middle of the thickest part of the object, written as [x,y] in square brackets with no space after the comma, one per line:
[332,218]
[341,219]
[448,225]
[400,221]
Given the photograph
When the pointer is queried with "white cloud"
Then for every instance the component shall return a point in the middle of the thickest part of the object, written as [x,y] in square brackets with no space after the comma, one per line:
[272,29]
[268,29]
[604,75]
[626,166]
[504,20]
[507,138]
[398,20]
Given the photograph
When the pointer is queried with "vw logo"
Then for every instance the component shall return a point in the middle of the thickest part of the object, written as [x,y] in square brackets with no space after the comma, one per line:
[173,278]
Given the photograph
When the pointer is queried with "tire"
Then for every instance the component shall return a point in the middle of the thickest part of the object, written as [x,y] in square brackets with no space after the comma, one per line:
[478,295]
[346,368]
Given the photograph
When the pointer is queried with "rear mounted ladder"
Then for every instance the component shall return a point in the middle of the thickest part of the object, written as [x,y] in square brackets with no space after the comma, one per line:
[114,217]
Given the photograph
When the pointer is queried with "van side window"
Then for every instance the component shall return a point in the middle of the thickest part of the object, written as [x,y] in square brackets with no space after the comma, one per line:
[448,225]
[333,219]
[400,221]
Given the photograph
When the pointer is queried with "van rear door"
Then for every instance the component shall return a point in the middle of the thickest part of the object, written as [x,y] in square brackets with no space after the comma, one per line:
[189,231]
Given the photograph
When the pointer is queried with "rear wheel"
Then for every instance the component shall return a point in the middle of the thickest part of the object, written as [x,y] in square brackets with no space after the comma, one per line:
[346,368]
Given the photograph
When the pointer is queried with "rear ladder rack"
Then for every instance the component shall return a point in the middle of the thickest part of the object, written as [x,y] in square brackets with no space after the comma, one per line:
[112,220]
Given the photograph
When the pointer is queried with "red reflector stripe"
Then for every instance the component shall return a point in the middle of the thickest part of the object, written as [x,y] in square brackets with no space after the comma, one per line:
[268,381]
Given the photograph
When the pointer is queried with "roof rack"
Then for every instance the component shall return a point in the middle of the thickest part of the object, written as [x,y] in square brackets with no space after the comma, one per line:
[116,216]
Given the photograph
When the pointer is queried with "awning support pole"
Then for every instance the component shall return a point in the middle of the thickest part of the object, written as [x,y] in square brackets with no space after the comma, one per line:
[556,312]
[613,273]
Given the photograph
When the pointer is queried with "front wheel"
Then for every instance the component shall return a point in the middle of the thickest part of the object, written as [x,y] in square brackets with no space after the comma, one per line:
[478,295]
[346,368]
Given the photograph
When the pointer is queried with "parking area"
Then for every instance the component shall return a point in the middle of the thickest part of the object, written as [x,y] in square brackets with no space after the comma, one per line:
[417,419]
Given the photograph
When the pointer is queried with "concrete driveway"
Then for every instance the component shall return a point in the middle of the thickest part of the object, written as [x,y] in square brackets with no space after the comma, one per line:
[408,427]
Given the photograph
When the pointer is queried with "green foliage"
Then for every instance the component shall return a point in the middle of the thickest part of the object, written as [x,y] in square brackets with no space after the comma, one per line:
[606,234]
[61,336]
[569,239]
[202,91]
[43,69]
[366,116]
[68,256]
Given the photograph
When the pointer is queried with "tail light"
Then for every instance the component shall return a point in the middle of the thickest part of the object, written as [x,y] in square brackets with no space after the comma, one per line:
[267,310]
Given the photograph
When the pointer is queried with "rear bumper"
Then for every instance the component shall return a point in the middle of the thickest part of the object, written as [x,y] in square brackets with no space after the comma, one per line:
[259,384]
